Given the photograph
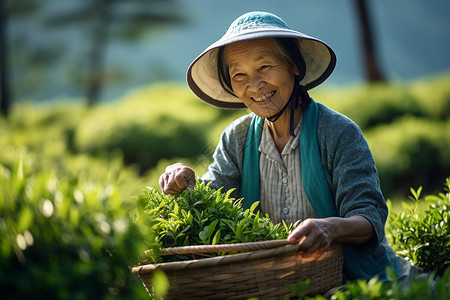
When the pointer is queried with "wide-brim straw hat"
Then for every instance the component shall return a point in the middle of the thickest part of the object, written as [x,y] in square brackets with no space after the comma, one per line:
[203,76]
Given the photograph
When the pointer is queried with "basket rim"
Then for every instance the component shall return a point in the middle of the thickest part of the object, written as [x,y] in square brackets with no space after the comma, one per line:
[232,258]
[233,247]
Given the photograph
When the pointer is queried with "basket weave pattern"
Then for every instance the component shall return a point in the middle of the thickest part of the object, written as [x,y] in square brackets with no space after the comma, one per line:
[263,273]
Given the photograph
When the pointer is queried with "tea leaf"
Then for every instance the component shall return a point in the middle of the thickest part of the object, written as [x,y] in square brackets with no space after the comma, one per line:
[160,284]
[211,229]
[216,238]
[416,194]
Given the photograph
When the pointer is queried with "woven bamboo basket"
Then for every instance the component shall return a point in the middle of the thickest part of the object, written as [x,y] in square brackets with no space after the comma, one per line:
[264,272]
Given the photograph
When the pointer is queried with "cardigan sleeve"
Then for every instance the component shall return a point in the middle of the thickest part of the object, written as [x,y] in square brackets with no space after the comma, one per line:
[351,174]
[226,169]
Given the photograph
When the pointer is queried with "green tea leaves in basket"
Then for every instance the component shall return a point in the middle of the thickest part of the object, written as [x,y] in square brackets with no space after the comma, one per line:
[202,216]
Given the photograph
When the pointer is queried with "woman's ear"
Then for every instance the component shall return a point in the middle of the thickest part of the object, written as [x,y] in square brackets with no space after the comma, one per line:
[296,71]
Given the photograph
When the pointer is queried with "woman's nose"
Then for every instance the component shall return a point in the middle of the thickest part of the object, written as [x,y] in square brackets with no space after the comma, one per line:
[256,82]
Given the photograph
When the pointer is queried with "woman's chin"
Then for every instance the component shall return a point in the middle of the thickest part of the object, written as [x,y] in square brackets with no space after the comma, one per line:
[266,112]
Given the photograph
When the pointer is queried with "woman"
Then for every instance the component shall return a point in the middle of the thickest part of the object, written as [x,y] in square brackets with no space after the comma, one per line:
[300,159]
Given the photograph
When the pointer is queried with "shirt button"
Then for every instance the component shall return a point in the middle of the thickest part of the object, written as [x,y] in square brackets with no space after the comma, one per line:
[285,210]
[284,180]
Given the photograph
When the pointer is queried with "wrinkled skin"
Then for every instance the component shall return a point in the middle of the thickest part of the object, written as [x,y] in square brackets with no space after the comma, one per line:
[177,178]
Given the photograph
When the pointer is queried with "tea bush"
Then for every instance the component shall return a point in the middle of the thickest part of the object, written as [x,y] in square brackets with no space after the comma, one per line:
[433,95]
[380,104]
[423,239]
[65,236]
[411,151]
[374,105]
[159,122]
[427,287]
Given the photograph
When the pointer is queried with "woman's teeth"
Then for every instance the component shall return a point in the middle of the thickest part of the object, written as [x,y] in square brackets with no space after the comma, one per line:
[264,97]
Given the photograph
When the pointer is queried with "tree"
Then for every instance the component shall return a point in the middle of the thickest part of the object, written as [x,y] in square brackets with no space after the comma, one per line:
[127,19]
[4,91]
[372,67]
[8,11]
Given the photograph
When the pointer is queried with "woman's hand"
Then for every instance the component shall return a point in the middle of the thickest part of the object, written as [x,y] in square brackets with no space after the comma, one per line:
[314,236]
[176,178]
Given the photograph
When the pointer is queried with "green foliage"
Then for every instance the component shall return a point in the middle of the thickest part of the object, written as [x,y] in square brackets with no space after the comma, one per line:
[428,286]
[380,104]
[159,122]
[423,239]
[46,129]
[65,235]
[160,284]
[411,151]
[200,217]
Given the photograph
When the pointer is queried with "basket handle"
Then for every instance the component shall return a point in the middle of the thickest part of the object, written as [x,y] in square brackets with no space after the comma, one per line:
[225,247]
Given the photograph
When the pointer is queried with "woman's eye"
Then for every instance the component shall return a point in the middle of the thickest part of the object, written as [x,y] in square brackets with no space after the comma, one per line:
[264,67]
[238,76]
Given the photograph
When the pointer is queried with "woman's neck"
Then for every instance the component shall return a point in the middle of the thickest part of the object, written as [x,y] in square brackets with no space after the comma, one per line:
[279,130]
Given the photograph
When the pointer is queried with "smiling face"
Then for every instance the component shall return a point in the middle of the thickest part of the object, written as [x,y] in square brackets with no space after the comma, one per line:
[260,76]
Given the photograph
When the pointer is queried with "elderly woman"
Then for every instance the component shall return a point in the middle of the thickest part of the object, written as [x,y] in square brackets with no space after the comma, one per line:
[300,159]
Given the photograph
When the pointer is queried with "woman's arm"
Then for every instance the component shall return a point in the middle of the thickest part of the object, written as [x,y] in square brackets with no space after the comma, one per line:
[351,174]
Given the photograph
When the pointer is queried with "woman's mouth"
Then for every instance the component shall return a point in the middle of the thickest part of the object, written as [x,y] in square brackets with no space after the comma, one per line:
[264,97]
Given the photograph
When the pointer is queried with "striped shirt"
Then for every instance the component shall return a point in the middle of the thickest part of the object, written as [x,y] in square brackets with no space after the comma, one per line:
[282,194]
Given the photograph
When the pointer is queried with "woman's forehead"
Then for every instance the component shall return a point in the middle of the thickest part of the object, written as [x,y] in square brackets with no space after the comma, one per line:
[257,50]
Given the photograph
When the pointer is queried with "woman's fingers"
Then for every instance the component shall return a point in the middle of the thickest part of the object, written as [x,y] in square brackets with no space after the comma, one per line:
[162,182]
[314,255]
[298,233]
[313,237]
[184,178]
[176,178]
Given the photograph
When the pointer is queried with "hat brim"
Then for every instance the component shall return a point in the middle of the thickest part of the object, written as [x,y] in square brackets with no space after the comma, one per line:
[203,78]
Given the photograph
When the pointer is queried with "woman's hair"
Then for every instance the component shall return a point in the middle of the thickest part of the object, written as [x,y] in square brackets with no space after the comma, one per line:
[289,49]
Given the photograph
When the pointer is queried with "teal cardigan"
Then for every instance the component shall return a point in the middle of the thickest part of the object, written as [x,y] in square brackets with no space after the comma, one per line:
[339,177]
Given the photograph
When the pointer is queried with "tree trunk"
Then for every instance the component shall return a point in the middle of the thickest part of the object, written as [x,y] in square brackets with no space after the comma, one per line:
[4,88]
[97,55]
[373,72]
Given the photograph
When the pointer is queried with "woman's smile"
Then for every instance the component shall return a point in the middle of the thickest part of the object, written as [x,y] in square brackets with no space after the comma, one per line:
[264,97]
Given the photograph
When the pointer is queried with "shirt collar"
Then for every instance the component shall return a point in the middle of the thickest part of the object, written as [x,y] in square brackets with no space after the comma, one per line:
[267,145]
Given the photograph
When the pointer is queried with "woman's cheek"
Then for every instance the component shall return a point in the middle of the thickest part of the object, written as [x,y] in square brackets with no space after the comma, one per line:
[239,91]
